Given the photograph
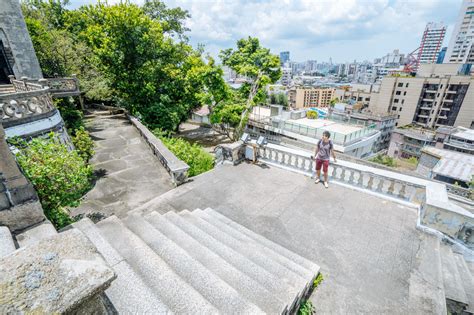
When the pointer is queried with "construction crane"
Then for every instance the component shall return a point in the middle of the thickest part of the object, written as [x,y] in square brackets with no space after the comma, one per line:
[412,61]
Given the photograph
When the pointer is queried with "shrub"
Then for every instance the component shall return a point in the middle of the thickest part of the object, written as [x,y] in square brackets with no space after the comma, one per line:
[318,280]
[311,114]
[306,308]
[384,160]
[199,161]
[73,118]
[83,144]
[59,176]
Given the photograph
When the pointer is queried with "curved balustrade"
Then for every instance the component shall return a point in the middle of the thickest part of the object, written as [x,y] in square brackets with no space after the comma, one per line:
[344,174]
[25,104]
[459,191]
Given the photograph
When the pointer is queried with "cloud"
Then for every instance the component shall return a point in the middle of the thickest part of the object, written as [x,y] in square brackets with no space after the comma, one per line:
[315,29]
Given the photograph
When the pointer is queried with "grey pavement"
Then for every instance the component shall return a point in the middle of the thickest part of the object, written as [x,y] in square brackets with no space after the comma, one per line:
[365,245]
[129,174]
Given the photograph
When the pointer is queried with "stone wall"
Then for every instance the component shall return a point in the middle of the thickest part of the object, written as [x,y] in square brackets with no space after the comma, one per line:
[15,38]
[19,204]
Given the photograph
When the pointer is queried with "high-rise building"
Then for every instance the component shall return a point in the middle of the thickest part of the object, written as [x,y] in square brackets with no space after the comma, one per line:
[442,54]
[284,57]
[431,42]
[461,45]
[440,95]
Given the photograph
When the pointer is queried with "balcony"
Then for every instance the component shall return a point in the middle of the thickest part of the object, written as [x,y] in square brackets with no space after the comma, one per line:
[431,91]
[423,116]
[448,101]
[428,99]
[451,92]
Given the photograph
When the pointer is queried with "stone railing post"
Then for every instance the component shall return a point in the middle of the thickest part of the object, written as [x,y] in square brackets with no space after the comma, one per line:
[63,274]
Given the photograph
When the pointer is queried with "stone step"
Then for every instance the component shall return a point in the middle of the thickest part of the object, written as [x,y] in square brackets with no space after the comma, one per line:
[7,245]
[258,247]
[178,295]
[453,286]
[137,298]
[309,265]
[283,291]
[35,234]
[426,289]
[467,281]
[246,286]
[210,286]
[249,251]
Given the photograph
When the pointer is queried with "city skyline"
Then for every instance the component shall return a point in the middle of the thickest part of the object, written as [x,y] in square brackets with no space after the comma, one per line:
[345,30]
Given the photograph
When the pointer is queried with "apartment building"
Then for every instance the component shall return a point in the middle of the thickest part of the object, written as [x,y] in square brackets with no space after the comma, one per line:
[358,93]
[301,97]
[437,96]
[431,42]
[461,45]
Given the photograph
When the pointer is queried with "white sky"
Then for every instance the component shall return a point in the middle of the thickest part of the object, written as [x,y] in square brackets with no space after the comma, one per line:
[345,30]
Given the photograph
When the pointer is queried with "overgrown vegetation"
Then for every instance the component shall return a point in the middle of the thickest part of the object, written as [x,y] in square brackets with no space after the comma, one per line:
[199,161]
[384,160]
[60,177]
[311,114]
[279,99]
[83,144]
[307,307]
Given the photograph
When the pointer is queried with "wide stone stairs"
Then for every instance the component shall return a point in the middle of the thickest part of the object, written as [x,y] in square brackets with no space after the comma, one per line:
[197,262]
[442,282]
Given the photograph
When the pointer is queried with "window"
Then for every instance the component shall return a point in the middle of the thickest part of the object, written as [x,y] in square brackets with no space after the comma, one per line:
[400,84]
[394,108]
[395,100]
[398,92]
[405,93]
[396,124]
[406,85]
[400,109]
[403,101]
[398,117]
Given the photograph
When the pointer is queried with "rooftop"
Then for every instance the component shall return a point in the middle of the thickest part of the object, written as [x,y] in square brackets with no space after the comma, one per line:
[328,125]
[453,164]
[365,245]
[467,134]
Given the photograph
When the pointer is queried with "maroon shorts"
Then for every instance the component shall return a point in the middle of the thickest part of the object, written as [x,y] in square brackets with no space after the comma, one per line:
[322,163]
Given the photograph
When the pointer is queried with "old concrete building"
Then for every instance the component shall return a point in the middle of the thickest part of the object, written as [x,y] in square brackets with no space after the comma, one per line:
[301,97]
[437,96]
[17,55]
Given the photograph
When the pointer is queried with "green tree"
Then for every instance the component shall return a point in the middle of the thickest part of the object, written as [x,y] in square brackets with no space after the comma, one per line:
[259,67]
[172,20]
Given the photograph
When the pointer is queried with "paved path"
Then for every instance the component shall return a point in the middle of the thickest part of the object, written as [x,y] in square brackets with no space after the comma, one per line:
[365,245]
[130,174]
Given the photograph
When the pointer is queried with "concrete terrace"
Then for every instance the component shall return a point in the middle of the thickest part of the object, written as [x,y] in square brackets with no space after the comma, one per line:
[129,174]
[365,245]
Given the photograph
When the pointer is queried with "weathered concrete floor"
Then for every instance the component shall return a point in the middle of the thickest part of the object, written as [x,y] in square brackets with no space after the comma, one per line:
[130,174]
[365,245]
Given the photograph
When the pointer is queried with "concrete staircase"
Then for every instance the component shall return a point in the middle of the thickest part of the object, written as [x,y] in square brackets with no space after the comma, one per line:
[442,281]
[197,262]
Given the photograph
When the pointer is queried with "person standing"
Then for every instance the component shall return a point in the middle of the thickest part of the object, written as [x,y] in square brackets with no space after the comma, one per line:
[324,150]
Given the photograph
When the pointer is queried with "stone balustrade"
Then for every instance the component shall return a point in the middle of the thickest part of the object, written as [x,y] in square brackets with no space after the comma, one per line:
[459,191]
[58,87]
[177,169]
[435,210]
[343,173]
[34,101]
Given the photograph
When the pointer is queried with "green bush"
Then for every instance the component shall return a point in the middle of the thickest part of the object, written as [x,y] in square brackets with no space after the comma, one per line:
[83,144]
[384,160]
[59,176]
[318,280]
[199,161]
[311,114]
[413,160]
[306,308]
[73,118]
